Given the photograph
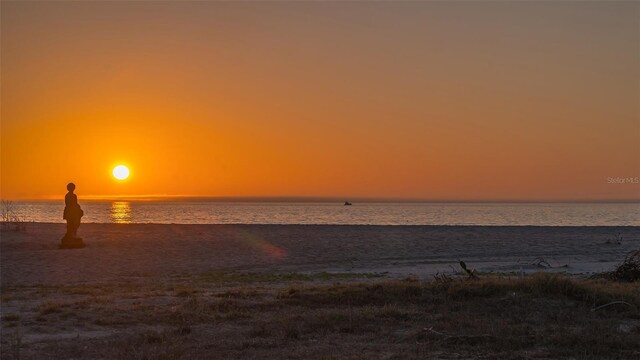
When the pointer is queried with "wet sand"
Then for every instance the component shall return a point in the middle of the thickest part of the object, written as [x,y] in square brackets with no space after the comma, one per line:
[135,252]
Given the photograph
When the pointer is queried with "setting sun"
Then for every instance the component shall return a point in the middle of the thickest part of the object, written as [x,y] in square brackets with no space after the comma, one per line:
[121,172]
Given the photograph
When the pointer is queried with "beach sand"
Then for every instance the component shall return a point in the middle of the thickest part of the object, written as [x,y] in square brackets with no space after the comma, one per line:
[129,252]
[145,291]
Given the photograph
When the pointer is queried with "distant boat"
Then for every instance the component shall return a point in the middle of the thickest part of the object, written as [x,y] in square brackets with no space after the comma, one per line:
[346,203]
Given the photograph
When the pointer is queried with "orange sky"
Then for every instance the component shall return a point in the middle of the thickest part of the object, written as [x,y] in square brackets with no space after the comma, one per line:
[442,101]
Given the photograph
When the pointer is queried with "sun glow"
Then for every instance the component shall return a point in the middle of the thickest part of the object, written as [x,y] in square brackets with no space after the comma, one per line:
[121,172]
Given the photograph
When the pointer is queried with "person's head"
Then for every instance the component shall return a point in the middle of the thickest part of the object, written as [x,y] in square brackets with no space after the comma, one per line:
[71,186]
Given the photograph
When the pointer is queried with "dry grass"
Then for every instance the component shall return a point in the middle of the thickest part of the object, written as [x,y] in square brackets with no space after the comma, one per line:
[541,316]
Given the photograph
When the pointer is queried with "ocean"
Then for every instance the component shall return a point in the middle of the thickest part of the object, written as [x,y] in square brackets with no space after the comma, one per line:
[208,212]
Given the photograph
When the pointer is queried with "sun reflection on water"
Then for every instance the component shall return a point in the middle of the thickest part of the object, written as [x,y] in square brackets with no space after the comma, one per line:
[121,212]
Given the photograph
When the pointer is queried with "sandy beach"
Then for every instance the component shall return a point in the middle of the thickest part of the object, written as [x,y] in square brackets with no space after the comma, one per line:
[119,252]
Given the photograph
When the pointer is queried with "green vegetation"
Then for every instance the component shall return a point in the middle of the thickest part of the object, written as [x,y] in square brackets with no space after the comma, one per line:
[629,270]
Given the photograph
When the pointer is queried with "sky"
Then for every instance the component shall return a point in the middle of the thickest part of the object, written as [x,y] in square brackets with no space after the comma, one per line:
[456,101]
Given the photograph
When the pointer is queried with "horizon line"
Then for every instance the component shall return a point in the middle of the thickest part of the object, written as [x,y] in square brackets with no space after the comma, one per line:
[296,198]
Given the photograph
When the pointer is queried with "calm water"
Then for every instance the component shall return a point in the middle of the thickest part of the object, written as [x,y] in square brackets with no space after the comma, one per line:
[554,214]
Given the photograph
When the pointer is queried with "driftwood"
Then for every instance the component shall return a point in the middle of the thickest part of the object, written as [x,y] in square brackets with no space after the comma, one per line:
[611,303]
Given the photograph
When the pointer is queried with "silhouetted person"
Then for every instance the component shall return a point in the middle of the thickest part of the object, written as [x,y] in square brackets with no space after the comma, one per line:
[72,213]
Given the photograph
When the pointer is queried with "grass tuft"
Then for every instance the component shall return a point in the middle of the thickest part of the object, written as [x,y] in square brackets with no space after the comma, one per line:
[50,307]
[629,270]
